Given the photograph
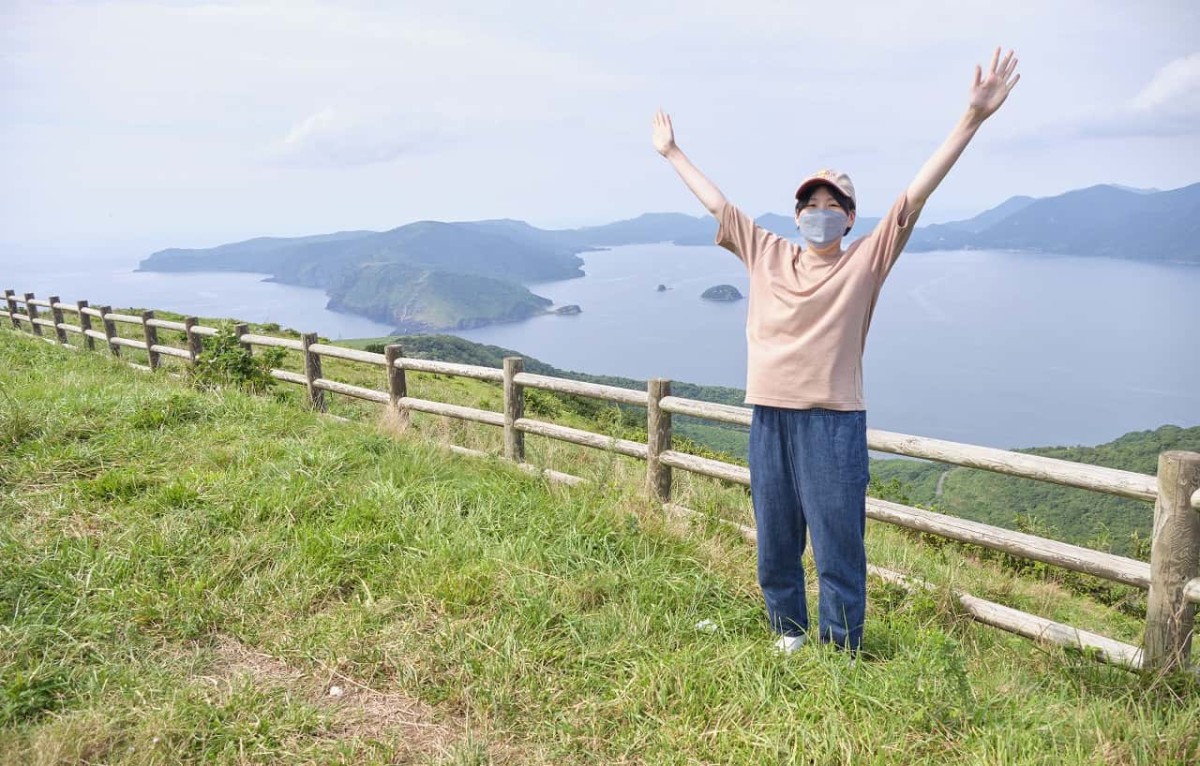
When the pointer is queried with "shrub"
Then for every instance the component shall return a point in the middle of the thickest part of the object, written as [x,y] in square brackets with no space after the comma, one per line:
[543,403]
[225,362]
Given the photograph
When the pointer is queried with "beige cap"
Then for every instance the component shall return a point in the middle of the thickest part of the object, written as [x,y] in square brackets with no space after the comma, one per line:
[834,178]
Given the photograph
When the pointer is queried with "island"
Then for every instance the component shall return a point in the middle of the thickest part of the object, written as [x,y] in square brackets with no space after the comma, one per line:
[569,310]
[721,293]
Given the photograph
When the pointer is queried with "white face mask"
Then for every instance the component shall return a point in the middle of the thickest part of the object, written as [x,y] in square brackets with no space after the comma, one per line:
[822,227]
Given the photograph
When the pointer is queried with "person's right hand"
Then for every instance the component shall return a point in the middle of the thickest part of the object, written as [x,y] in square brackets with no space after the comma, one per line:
[664,134]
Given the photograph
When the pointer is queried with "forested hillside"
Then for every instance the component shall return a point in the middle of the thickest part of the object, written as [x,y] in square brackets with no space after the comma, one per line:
[1075,515]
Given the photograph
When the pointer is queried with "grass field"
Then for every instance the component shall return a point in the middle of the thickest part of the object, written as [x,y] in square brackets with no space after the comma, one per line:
[206,576]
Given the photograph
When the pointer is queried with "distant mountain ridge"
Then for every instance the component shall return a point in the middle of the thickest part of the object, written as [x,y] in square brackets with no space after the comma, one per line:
[503,256]
[1104,221]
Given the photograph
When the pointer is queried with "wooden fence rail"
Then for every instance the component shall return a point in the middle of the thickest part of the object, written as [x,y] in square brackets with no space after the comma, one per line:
[1172,577]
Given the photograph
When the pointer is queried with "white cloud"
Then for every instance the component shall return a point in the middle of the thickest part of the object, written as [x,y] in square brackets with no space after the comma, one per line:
[341,137]
[1175,86]
[160,106]
[1169,105]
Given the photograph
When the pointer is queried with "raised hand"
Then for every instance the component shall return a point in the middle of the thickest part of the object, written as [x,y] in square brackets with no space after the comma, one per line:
[987,94]
[664,143]
[989,91]
[664,134]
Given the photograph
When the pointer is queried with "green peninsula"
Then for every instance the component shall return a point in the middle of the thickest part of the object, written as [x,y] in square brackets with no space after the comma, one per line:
[419,300]
[425,276]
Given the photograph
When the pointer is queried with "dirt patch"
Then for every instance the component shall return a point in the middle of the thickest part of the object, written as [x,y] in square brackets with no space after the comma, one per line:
[356,711]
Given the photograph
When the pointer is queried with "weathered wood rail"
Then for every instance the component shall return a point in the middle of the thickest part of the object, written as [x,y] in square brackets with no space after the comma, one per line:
[1172,577]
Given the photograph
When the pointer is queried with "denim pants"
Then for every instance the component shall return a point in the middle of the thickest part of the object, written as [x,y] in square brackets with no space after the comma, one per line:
[808,476]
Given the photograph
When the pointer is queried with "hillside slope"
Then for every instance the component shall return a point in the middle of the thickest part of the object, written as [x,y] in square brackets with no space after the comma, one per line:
[186,576]
[1071,515]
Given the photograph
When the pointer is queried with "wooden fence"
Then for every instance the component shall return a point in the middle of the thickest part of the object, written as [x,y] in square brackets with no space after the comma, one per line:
[1172,577]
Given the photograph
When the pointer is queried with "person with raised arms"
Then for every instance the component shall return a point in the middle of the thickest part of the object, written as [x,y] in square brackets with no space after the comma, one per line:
[806,327]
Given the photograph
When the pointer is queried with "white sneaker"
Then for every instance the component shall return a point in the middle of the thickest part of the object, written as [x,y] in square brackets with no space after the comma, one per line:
[789,644]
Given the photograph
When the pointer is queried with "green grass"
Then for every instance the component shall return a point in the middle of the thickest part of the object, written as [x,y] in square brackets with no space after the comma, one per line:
[183,575]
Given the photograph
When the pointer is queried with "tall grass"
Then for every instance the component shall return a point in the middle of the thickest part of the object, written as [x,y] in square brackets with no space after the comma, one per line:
[186,575]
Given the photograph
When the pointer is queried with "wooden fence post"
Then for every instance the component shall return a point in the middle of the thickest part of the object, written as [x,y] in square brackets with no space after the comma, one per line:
[397,382]
[85,324]
[110,330]
[194,342]
[514,410]
[312,371]
[151,334]
[658,438]
[240,329]
[57,315]
[1174,560]
[32,312]
[11,299]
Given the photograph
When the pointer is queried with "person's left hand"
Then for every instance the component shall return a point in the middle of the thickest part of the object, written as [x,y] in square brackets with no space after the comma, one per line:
[988,92]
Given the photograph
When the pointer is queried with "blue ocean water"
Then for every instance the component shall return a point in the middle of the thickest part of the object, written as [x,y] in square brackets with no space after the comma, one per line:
[995,348]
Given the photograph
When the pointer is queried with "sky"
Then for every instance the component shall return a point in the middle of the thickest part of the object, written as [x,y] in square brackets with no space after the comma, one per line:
[191,124]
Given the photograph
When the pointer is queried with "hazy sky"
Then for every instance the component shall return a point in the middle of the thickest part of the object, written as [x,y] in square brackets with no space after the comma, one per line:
[196,123]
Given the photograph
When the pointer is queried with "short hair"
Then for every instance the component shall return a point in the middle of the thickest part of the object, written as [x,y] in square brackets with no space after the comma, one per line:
[846,203]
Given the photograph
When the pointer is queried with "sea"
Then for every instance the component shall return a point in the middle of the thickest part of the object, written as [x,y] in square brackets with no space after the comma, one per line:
[996,348]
